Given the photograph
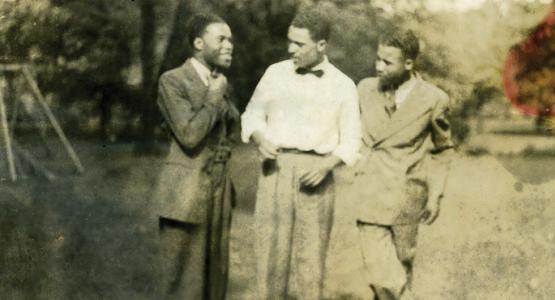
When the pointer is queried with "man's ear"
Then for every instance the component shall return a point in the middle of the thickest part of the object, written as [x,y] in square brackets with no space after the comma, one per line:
[198,44]
[409,64]
[321,45]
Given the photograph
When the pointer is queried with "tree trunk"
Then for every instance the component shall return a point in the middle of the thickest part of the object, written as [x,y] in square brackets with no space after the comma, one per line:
[149,77]
[178,49]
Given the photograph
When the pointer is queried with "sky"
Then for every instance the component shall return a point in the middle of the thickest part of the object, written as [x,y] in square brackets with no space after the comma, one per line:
[446,5]
[462,5]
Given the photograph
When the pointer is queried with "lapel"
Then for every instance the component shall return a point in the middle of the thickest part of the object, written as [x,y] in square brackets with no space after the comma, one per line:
[197,92]
[196,88]
[374,116]
[416,104]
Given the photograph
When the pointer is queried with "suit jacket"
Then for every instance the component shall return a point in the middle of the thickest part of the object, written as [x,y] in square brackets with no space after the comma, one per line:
[199,132]
[405,155]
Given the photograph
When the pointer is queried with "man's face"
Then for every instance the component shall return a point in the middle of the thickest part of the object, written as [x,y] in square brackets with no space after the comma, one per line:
[392,67]
[217,45]
[304,51]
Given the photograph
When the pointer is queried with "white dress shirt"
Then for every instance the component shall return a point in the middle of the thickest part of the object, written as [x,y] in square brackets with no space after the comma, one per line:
[202,70]
[306,112]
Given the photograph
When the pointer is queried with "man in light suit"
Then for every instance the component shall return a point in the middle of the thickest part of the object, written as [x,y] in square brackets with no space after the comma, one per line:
[401,179]
[192,198]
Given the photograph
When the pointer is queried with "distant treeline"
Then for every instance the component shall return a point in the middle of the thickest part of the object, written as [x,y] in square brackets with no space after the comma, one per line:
[100,59]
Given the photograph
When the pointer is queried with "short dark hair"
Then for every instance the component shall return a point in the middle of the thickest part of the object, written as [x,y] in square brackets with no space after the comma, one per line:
[197,25]
[405,40]
[316,21]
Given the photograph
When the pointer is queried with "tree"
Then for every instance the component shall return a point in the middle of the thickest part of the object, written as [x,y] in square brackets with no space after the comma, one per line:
[535,73]
[91,50]
[149,78]
[84,48]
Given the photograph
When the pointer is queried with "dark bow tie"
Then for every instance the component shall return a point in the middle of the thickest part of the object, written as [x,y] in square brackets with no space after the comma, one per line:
[304,71]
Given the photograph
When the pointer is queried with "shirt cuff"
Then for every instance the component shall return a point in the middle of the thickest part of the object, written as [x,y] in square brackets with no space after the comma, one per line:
[347,156]
[247,132]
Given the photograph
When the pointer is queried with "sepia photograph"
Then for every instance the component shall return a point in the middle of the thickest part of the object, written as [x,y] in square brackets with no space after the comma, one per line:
[277,149]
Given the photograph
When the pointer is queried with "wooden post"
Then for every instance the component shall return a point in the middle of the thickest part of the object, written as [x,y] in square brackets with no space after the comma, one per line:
[6,133]
[40,99]
[35,164]
[11,98]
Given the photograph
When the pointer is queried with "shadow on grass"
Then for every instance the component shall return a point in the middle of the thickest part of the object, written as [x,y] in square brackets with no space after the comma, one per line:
[531,165]
[81,237]
[477,151]
[531,152]
[524,132]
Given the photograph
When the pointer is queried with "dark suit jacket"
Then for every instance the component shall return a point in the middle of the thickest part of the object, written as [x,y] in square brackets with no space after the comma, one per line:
[197,130]
[405,156]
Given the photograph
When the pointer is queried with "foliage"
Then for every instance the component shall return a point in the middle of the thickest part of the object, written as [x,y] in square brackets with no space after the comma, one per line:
[91,50]
[20,36]
[464,51]
[83,49]
[534,60]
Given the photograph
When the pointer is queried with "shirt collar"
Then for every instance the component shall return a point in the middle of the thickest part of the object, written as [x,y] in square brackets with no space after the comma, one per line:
[404,89]
[323,65]
[203,72]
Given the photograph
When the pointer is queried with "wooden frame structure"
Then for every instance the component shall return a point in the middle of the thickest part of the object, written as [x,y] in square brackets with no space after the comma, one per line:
[13,151]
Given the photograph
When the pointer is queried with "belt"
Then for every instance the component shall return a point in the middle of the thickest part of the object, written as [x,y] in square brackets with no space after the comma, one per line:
[221,154]
[297,151]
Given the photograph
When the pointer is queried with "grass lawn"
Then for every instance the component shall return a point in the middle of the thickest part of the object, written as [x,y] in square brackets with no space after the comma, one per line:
[92,236]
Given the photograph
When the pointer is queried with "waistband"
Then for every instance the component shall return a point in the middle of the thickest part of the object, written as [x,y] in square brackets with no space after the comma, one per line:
[297,151]
[222,153]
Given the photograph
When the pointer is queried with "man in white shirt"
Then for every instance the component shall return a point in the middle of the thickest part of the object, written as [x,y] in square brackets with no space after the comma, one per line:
[304,118]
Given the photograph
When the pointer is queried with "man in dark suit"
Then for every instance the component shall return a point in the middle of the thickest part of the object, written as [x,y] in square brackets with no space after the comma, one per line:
[402,176]
[193,192]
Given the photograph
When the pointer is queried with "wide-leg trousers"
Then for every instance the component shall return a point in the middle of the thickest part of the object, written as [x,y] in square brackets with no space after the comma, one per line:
[293,225]
[388,253]
[194,256]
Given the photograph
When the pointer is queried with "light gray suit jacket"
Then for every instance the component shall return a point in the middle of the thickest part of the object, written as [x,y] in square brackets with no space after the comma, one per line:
[405,156]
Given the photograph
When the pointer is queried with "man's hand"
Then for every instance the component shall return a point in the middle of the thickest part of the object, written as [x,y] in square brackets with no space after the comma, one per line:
[217,87]
[431,212]
[316,175]
[266,148]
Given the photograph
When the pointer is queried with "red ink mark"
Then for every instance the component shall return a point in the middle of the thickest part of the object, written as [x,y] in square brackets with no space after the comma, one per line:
[529,73]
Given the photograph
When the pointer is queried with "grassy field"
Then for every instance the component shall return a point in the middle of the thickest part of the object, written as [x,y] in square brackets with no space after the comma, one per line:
[92,236]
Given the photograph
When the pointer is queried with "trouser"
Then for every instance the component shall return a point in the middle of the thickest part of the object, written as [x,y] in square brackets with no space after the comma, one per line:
[293,225]
[194,257]
[183,260]
[388,253]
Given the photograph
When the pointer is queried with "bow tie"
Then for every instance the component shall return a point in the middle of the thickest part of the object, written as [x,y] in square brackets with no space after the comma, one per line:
[304,71]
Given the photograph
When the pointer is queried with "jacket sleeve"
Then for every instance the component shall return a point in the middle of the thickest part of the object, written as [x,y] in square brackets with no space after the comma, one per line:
[233,119]
[443,149]
[189,126]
